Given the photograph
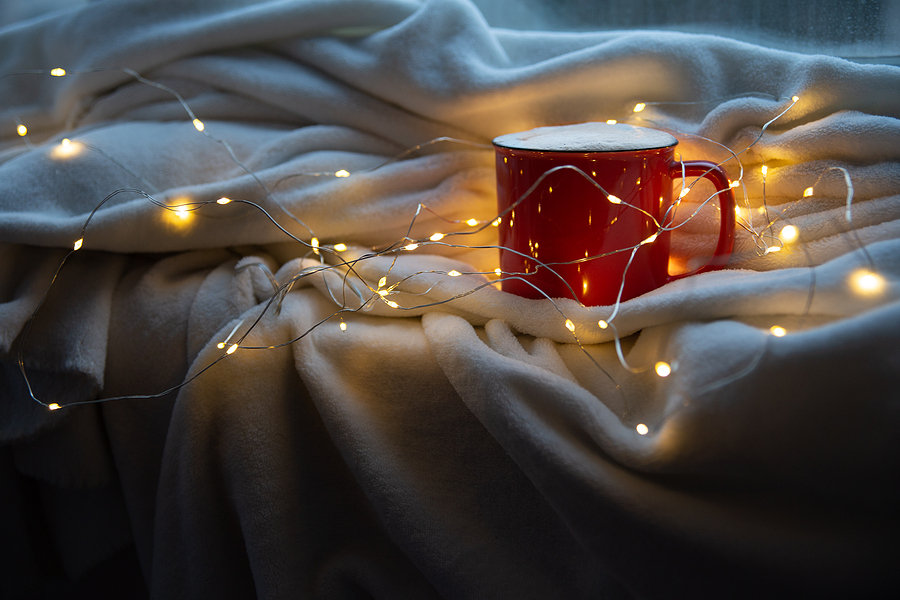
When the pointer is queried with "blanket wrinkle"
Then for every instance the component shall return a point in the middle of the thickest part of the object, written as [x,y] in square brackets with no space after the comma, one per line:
[460,444]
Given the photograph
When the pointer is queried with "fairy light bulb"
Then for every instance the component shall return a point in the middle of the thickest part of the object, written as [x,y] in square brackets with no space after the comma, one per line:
[807,192]
[58,72]
[53,406]
[684,192]
[78,244]
[789,233]
[342,173]
[454,273]
[614,199]
[795,98]
[382,293]
[436,237]
[642,429]
[772,249]
[343,326]
[663,369]
[734,184]
[497,272]
[198,124]
[639,107]
[220,345]
[496,222]
[650,239]
[570,325]
[765,170]
[382,282]
[472,222]
[778,331]
[340,247]
[602,324]
[410,247]
[611,121]
[183,213]
[22,130]
[223,200]
[65,143]
[867,283]
[392,304]
[232,349]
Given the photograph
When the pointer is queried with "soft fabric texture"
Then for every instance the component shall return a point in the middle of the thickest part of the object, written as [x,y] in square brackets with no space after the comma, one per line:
[461,445]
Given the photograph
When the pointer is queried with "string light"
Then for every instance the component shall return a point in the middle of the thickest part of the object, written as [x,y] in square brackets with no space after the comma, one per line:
[684,192]
[498,272]
[343,326]
[410,247]
[223,200]
[639,107]
[611,121]
[771,249]
[53,406]
[795,98]
[232,349]
[642,429]
[570,325]
[454,273]
[340,247]
[789,233]
[778,331]
[807,192]
[392,304]
[382,282]
[663,369]
[602,324]
[496,222]
[650,239]
[342,173]
[78,244]
[867,283]
[614,199]
[57,72]
[220,345]
[22,130]
[183,213]
[734,184]
[199,124]
[437,237]
[765,170]
[472,222]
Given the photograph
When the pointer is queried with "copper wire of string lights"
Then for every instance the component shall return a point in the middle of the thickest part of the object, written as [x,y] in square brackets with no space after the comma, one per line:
[365,294]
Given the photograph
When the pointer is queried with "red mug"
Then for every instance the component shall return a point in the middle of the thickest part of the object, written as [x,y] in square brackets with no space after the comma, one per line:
[567,233]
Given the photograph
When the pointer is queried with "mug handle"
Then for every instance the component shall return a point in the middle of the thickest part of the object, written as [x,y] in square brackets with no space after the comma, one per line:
[711,171]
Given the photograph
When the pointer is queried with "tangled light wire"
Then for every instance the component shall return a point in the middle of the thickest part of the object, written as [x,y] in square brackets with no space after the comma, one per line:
[365,294]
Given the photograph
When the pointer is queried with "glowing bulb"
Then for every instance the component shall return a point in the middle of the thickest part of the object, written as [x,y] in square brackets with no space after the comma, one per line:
[650,239]
[639,107]
[778,331]
[78,244]
[57,72]
[340,247]
[611,121]
[54,406]
[614,199]
[663,369]
[454,273]
[343,326]
[231,349]
[314,242]
[183,213]
[22,130]
[734,184]
[392,304]
[867,282]
[65,143]
[771,249]
[223,200]
[342,173]
[220,345]
[497,272]
[737,211]
[496,222]
[602,324]
[472,222]
[795,98]
[642,429]
[684,192]
[410,247]
[789,233]
[436,237]
[807,192]
[765,170]
[570,325]
[199,125]
[382,282]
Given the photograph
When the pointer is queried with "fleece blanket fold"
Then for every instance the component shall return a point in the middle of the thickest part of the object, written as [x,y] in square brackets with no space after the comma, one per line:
[444,439]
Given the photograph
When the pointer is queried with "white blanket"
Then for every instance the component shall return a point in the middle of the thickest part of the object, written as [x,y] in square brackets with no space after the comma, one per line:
[469,448]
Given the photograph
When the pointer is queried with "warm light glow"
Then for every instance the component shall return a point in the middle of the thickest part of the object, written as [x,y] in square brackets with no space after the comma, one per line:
[614,199]
[778,331]
[649,240]
[472,222]
[611,121]
[867,283]
[183,213]
[496,222]
[436,237]
[771,249]
[737,211]
[54,406]
[343,326]
[663,369]
[78,244]
[807,192]
[570,325]
[639,107]
[642,429]
[789,233]
[382,282]
[765,170]
[340,247]
[22,130]
[684,192]
[231,349]
[795,98]
[314,242]
[392,304]
[734,184]
[220,345]
[497,272]
[199,125]
[383,293]
[602,324]
[65,142]
[342,173]
[223,200]
[410,247]
[454,273]
[57,72]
